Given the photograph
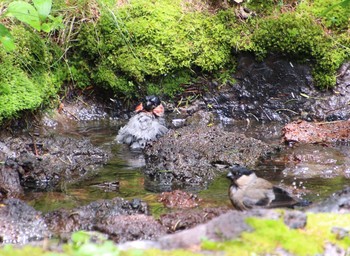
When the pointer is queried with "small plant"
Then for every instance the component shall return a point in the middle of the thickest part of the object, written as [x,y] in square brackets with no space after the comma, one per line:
[36,16]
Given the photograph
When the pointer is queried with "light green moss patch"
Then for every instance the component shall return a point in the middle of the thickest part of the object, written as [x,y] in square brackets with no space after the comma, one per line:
[271,235]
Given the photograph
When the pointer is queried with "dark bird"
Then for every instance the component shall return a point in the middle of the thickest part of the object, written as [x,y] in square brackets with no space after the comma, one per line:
[248,191]
[147,125]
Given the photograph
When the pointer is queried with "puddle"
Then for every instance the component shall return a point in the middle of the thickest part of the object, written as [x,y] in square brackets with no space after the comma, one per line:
[124,167]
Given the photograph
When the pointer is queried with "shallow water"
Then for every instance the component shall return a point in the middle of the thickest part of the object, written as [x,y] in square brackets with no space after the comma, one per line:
[125,167]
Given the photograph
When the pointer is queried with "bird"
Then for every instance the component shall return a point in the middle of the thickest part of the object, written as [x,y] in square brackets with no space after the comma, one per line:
[248,191]
[146,125]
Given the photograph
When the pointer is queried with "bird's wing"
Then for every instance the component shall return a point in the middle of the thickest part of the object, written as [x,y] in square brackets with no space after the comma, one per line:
[258,197]
[282,199]
[258,193]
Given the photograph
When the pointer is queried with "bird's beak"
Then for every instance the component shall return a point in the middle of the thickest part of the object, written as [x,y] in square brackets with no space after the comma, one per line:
[229,175]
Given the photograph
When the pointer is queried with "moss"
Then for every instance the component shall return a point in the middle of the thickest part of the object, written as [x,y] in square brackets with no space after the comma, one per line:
[28,76]
[300,37]
[271,235]
[333,16]
[152,42]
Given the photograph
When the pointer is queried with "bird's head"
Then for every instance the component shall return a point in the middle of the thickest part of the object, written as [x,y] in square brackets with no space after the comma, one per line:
[236,172]
[151,104]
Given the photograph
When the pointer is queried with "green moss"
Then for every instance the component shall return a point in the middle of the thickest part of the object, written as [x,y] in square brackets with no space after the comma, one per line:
[270,235]
[153,42]
[333,16]
[28,75]
[300,37]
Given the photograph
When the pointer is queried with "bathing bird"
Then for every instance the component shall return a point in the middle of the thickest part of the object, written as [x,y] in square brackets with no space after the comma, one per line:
[248,191]
[146,125]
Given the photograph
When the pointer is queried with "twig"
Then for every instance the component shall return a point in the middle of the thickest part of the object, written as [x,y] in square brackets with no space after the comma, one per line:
[286,109]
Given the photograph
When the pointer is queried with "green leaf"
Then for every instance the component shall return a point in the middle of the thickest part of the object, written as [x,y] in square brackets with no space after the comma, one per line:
[25,13]
[46,27]
[43,7]
[6,38]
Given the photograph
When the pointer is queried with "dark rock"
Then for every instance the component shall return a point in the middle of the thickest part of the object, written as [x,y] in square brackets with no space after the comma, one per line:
[10,185]
[43,162]
[340,233]
[181,220]
[88,217]
[279,89]
[337,203]
[189,156]
[179,199]
[20,223]
[124,228]
[295,219]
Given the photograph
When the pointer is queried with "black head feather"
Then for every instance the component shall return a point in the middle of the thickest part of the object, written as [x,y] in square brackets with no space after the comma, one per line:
[150,102]
[237,171]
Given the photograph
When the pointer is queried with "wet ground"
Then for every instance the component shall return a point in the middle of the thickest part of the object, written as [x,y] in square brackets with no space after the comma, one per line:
[122,175]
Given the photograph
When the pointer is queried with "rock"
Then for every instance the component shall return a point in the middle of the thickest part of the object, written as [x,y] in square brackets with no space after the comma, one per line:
[20,223]
[337,203]
[96,214]
[281,90]
[315,160]
[295,219]
[124,228]
[189,156]
[307,132]
[179,199]
[225,227]
[42,162]
[181,220]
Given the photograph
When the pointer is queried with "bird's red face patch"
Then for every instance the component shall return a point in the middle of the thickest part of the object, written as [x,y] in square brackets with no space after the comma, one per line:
[159,110]
[139,108]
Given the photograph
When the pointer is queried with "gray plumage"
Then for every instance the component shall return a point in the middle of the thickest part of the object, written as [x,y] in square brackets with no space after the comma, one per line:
[147,125]
[142,128]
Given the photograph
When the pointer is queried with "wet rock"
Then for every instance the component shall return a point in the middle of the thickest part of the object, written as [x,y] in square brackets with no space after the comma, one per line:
[131,227]
[307,132]
[181,220]
[282,90]
[20,223]
[336,203]
[315,160]
[42,162]
[179,199]
[99,213]
[190,156]
[340,233]
[10,185]
[334,250]
[225,227]
[295,219]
